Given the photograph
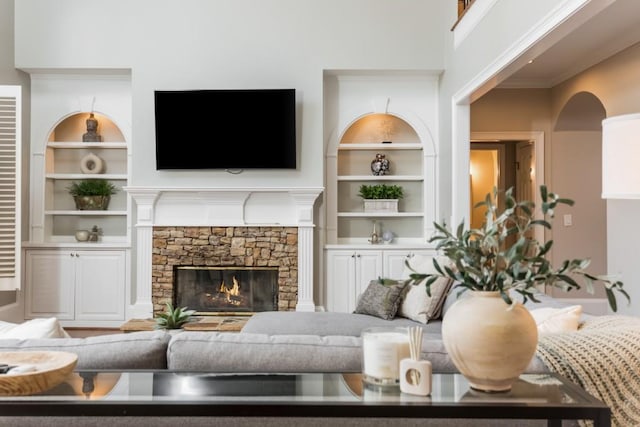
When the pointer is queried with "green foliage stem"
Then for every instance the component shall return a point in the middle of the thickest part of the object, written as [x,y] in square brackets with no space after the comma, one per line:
[482,260]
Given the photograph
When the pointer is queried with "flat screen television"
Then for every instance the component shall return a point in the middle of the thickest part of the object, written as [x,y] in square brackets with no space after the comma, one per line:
[225,129]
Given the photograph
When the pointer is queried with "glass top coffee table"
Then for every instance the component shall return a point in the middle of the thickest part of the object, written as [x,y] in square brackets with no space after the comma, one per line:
[184,394]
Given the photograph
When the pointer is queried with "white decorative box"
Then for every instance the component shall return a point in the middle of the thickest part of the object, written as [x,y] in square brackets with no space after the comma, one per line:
[381,205]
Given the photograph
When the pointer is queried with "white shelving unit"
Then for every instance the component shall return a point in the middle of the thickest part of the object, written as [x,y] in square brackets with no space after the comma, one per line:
[370,112]
[353,166]
[63,156]
[84,284]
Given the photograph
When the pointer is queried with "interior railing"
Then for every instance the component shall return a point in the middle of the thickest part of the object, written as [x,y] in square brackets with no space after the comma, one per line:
[463,6]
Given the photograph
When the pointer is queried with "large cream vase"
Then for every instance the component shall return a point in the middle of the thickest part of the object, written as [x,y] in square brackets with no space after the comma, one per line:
[490,342]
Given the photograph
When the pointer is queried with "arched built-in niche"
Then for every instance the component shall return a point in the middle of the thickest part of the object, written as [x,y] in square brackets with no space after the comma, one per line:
[72,127]
[576,152]
[65,156]
[407,144]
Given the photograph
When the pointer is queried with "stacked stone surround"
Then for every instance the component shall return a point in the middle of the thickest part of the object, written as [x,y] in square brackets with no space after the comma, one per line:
[224,247]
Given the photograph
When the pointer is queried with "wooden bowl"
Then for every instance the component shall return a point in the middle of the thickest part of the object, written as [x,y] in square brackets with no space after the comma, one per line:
[51,368]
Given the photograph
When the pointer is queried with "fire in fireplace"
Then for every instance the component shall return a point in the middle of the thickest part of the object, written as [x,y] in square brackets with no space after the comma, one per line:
[226,290]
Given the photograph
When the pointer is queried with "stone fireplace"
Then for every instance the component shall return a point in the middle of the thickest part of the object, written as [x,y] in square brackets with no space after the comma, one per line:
[222,270]
[222,227]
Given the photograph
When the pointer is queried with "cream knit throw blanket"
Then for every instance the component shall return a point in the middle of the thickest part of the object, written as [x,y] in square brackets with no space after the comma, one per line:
[603,357]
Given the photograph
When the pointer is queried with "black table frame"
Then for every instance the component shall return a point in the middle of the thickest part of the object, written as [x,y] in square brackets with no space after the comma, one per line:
[554,413]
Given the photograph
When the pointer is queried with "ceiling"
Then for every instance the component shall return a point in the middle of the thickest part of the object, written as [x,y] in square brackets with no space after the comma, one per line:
[611,30]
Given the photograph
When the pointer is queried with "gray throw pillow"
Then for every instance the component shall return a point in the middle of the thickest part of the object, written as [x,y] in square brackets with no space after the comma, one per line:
[381,298]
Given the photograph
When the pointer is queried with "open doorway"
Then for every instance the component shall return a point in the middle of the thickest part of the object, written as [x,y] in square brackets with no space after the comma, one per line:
[501,165]
[505,160]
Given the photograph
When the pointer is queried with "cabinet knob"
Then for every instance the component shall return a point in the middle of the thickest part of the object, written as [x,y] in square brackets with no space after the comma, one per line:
[77,255]
[353,255]
[71,254]
[358,255]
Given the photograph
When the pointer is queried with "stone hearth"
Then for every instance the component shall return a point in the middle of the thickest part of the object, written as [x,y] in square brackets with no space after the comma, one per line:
[224,246]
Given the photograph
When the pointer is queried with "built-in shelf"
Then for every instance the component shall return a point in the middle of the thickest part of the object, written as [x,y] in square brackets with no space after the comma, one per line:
[114,176]
[86,213]
[380,178]
[88,145]
[379,146]
[380,214]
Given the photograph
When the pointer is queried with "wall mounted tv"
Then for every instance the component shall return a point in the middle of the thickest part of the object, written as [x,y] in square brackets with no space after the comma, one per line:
[226,129]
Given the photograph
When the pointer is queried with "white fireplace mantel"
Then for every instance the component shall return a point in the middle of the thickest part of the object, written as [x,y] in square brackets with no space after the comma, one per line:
[210,206]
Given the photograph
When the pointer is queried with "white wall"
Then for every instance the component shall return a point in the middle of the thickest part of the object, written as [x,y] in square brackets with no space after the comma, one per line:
[230,44]
[10,76]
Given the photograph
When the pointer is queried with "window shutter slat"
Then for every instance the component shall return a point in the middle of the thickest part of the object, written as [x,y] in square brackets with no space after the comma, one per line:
[10,105]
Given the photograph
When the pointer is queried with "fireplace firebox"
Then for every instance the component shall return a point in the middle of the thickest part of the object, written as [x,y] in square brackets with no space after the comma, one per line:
[226,290]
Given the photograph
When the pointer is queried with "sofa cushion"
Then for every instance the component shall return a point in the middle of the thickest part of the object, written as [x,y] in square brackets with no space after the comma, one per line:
[225,352]
[554,320]
[255,353]
[35,328]
[324,323]
[136,350]
[381,298]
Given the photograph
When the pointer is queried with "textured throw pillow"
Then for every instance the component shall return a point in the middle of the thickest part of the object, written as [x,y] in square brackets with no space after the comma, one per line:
[419,306]
[34,328]
[553,320]
[381,298]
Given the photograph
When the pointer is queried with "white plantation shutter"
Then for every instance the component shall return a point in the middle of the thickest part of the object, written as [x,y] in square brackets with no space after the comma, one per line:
[10,148]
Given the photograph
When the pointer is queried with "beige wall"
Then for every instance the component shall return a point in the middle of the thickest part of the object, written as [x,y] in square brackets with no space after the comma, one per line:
[616,83]
[576,162]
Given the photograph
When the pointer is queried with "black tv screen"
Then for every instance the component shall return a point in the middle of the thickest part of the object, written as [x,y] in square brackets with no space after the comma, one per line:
[225,129]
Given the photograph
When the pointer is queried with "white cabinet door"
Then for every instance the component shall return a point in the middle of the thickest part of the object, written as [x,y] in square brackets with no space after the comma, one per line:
[394,264]
[348,275]
[394,261]
[100,287]
[75,285]
[340,280]
[368,268]
[50,284]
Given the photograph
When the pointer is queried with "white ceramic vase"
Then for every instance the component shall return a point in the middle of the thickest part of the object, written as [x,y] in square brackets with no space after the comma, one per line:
[490,342]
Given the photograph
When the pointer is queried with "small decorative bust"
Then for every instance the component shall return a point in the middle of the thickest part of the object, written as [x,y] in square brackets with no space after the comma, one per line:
[92,130]
[380,165]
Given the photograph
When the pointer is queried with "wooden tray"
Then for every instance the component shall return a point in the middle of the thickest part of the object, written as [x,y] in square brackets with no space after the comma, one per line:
[52,367]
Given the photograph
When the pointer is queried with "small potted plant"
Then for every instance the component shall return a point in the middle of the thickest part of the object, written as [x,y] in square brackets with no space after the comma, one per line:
[173,318]
[381,197]
[92,194]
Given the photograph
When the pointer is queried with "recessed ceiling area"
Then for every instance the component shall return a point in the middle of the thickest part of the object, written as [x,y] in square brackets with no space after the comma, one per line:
[610,31]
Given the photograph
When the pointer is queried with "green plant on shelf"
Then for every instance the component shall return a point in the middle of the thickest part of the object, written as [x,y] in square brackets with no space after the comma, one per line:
[92,187]
[381,191]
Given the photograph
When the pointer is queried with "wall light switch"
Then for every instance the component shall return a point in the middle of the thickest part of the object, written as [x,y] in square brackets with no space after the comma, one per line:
[568,220]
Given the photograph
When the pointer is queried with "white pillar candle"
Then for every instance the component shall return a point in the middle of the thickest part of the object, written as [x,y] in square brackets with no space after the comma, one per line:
[382,352]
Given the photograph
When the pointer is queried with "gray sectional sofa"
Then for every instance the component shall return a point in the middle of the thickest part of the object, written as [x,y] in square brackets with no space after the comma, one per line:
[270,342]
